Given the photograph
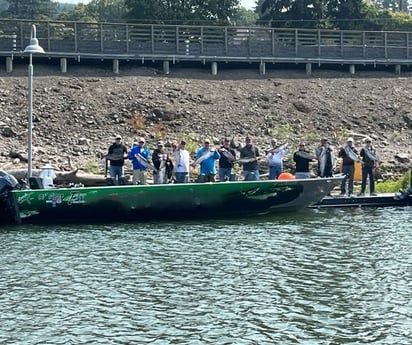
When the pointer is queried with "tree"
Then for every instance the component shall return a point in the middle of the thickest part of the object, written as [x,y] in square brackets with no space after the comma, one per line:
[346,14]
[97,11]
[31,9]
[244,17]
[182,11]
[290,13]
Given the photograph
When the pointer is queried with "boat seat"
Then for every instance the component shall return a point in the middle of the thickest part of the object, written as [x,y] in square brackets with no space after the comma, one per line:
[35,182]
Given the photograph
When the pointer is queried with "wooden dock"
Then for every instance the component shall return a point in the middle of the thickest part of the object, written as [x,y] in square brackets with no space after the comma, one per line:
[380,200]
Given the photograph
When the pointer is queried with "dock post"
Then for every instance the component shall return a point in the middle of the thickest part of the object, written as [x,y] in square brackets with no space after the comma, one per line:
[214,68]
[397,69]
[308,68]
[63,65]
[262,68]
[9,64]
[166,69]
[116,66]
[352,69]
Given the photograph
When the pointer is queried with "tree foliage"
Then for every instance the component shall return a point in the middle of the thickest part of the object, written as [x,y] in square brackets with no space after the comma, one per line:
[182,11]
[30,9]
[289,13]
[337,14]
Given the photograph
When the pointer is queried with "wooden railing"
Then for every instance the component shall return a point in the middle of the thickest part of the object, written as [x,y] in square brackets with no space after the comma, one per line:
[207,43]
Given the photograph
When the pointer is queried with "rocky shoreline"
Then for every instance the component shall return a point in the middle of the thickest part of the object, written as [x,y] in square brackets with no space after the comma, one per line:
[76,115]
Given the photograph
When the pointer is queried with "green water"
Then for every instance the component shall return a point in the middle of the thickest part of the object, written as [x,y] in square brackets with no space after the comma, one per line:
[319,277]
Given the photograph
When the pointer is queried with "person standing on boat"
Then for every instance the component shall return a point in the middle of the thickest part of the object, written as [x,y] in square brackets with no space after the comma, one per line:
[226,161]
[302,158]
[275,154]
[182,163]
[208,165]
[47,176]
[326,158]
[348,153]
[162,163]
[369,163]
[116,155]
[249,155]
[139,170]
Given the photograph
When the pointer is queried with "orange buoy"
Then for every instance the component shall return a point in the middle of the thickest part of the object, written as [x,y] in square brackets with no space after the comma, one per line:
[286,176]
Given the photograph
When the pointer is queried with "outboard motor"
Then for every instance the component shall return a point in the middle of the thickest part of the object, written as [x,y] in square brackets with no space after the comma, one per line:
[7,209]
[7,182]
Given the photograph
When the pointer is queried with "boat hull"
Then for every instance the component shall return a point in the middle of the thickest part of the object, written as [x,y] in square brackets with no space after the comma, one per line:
[172,201]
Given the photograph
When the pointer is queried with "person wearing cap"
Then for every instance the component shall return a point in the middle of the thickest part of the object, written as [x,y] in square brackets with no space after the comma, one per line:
[115,157]
[162,163]
[325,155]
[348,166]
[47,176]
[369,163]
[182,163]
[208,166]
[226,161]
[275,154]
[139,170]
[302,162]
[250,154]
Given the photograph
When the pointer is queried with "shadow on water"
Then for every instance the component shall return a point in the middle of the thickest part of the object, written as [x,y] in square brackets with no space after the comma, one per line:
[346,217]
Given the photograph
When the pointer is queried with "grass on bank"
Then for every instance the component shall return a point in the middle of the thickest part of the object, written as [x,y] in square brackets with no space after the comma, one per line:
[394,186]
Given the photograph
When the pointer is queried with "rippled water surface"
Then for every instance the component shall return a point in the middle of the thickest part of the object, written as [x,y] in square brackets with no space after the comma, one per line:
[320,277]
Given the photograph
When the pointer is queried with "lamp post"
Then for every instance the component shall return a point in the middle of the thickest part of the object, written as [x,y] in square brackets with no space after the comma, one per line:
[32,48]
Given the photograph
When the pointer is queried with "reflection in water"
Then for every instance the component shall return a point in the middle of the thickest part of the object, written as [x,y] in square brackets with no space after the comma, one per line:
[319,277]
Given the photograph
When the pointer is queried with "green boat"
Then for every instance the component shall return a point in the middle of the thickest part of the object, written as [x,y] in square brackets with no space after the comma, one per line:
[159,202]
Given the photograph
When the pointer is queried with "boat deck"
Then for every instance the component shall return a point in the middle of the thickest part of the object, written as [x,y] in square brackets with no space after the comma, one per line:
[380,200]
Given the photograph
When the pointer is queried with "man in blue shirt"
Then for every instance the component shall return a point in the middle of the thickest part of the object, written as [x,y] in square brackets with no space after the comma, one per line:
[208,157]
[138,155]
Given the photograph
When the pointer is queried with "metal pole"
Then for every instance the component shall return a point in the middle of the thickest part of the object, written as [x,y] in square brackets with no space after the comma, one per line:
[30,117]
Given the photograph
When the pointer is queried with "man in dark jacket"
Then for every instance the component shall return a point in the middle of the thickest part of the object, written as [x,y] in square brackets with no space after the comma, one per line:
[248,157]
[348,153]
[162,163]
[370,161]
[302,158]
[226,161]
[116,155]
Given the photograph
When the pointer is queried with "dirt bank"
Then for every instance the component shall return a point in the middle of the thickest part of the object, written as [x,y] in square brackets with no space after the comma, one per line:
[77,114]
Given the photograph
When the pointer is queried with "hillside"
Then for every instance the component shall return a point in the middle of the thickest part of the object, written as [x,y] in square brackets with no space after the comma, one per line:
[77,114]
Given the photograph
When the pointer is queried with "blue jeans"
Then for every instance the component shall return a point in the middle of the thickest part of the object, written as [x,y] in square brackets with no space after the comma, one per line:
[251,175]
[116,172]
[224,174]
[181,177]
[275,171]
[299,175]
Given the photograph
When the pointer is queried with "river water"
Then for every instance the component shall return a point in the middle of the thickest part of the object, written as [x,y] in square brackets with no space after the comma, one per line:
[316,277]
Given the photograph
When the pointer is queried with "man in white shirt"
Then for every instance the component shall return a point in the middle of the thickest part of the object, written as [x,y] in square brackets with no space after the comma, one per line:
[182,162]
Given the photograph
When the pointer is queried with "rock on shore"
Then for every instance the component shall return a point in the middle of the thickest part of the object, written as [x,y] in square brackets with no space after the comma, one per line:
[77,114]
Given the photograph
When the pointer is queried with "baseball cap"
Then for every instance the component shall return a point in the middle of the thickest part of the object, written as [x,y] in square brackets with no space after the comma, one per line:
[160,143]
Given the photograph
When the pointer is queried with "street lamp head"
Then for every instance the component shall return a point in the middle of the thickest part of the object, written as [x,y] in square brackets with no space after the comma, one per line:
[34,47]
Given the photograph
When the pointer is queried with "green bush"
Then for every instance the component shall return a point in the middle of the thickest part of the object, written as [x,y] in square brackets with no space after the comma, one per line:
[394,186]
